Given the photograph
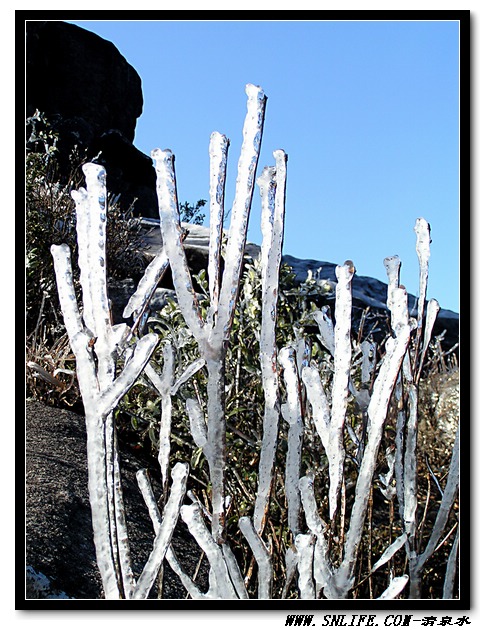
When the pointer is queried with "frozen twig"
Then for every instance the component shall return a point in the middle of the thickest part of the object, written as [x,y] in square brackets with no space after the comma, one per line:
[292,413]
[377,413]
[305,545]
[221,587]
[272,185]
[447,501]
[163,536]
[218,148]
[262,555]
[395,587]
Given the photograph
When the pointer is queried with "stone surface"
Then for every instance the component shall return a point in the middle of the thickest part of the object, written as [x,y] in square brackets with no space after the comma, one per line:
[60,555]
[92,96]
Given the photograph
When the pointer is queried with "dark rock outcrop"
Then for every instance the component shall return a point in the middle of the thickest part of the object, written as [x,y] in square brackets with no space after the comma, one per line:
[60,553]
[92,97]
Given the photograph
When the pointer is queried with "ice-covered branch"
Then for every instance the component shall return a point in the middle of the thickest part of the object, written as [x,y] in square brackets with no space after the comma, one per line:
[447,500]
[164,385]
[154,272]
[377,413]
[272,186]
[218,149]
[173,240]
[221,587]
[236,241]
[292,413]
[163,536]
[305,546]
[423,242]
[262,555]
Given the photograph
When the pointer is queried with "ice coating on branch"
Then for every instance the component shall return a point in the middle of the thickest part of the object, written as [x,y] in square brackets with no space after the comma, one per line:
[377,413]
[432,311]
[147,284]
[326,328]
[213,334]
[163,536]
[272,187]
[189,371]
[221,586]
[198,427]
[423,241]
[449,495]
[322,568]
[292,413]
[305,545]
[236,241]
[331,429]
[262,555]
[163,385]
[389,552]
[329,433]
[395,587]
[173,240]
[94,343]
[218,149]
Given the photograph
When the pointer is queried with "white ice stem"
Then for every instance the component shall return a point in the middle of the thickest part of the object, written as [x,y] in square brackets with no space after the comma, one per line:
[163,536]
[321,566]
[94,345]
[173,240]
[272,186]
[377,413]
[111,395]
[451,570]
[423,242]
[305,545]
[326,328]
[262,556]
[163,386]
[248,160]
[432,311]
[395,587]
[156,518]
[292,413]
[215,448]
[410,465]
[389,552]
[218,149]
[234,572]
[447,501]
[222,583]
[154,272]
[341,377]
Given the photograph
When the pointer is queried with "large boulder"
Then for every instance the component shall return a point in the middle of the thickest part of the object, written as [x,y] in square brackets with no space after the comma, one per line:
[92,97]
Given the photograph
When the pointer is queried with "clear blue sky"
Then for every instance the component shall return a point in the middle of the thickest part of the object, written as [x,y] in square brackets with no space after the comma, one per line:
[366,111]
